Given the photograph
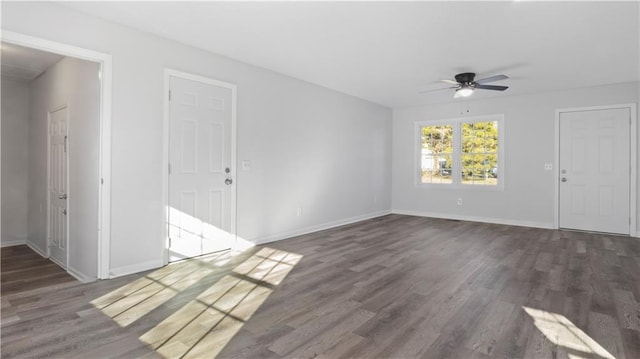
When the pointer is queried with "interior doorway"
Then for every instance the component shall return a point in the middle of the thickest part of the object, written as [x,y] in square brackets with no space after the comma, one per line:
[200,155]
[597,169]
[69,121]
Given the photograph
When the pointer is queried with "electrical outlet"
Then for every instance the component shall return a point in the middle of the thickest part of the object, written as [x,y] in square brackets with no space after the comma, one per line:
[548,166]
[459,202]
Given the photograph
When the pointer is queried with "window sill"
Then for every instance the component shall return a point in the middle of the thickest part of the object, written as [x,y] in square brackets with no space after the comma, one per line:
[463,187]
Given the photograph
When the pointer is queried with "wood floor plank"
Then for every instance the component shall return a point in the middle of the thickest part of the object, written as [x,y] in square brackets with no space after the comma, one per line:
[391,287]
[491,329]
[605,331]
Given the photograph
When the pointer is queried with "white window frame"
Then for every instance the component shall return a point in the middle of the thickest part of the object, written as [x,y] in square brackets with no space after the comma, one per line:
[456,167]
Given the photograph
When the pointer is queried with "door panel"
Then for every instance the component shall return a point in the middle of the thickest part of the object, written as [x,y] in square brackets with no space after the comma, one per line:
[58,186]
[594,170]
[199,154]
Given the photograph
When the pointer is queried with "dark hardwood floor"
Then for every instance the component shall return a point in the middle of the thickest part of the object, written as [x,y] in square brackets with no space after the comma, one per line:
[22,269]
[391,287]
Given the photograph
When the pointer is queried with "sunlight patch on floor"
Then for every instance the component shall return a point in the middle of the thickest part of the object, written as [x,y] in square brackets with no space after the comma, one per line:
[573,356]
[131,302]
[192,236]
[268,265]
[206,324]
[561,331]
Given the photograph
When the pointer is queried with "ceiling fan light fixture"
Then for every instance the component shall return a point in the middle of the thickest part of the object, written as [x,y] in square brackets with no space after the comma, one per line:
[464,91]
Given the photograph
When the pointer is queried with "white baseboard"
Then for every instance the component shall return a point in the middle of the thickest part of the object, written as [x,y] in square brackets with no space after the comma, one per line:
[60,264]
[79,276]
[141,267]
[320,227]
[13,242]
[36,249]
[509,222]
[135,268]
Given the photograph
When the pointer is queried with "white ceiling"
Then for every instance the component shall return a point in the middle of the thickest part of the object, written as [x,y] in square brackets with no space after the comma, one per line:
[23,63]
[386,52]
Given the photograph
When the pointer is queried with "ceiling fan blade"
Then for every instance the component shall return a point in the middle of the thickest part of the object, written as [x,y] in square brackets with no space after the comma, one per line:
[457,94]
[434,90]
[492,79]
[450,82]
[492,87]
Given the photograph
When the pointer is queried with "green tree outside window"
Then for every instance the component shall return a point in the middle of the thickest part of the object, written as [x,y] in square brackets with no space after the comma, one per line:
[479,152]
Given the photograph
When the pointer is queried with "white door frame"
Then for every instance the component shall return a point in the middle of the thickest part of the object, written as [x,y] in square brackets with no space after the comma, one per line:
[104,161]
[633,183]
[168,73]
[49,112]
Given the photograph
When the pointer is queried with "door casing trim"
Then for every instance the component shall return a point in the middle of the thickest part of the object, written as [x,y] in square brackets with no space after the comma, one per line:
[633,159]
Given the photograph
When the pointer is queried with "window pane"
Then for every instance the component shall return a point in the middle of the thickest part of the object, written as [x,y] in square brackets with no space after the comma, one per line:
[480,153]
[437,149]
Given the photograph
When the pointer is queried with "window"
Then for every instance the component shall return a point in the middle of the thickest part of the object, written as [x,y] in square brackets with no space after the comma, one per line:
[461,153]
[480,153]
[437,153]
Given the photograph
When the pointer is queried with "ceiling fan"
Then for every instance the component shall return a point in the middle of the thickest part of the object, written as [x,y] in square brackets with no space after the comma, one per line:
[465,84]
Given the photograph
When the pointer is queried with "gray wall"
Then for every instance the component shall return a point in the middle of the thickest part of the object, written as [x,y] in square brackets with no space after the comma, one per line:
[15,151]
[529,127]
[309,147]
[73,83]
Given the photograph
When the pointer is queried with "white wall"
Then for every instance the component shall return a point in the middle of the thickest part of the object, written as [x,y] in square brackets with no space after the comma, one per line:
[309,147]
[73,83]
[529,127]
[15,151]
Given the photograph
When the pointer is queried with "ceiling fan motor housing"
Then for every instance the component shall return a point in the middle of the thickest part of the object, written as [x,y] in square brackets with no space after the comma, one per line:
[465,77]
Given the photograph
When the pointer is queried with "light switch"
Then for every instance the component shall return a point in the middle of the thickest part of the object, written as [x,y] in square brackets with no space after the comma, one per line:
[246,165]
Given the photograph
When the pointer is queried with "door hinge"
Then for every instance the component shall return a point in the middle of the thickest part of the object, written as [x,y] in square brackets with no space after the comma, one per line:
[65,144]
[169,95]
[101,180]
[169,241]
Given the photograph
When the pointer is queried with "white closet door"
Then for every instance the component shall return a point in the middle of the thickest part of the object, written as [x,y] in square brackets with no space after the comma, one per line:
[58,183]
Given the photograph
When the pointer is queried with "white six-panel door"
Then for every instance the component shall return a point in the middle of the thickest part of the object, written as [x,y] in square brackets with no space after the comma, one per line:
[58,158]
[200,181]
[595,170]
